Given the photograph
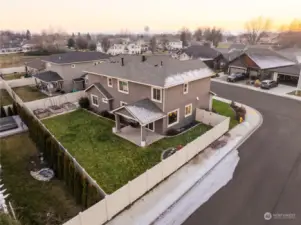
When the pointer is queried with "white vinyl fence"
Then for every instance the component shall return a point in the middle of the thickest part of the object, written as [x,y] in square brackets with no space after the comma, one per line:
[57,100]
[20,69]
[21,82]
[112,204]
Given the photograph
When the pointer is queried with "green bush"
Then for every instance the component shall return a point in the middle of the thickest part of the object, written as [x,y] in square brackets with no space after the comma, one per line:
[10,111]
[2,112]
[84,103]
[6,219]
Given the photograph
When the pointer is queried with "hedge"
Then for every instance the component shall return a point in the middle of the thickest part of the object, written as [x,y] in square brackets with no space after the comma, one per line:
[84,191]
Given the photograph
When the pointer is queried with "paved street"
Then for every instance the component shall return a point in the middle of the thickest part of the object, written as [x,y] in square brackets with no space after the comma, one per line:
[268,176]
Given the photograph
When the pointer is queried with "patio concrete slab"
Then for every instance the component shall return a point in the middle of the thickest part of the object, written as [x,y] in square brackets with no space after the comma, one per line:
[134,135]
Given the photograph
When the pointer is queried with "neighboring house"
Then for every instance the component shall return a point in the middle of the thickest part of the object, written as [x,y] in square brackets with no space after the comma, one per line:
[117,49]
[174,44]
[35,66]
[258,62]
[64,72]
[158,92]
[211,57]
[10,48]
[133,48]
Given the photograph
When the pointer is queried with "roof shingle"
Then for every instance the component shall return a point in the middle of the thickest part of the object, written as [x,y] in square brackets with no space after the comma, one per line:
[73,57]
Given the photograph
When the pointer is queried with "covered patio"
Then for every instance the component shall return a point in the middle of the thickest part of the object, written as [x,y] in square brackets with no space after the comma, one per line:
[49,83]
[141,116]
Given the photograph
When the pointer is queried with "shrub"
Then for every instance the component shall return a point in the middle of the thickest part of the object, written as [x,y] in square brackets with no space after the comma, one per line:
[108,115]
[2,112]
[172,132]
[10,111]
[84,103]
[6,219]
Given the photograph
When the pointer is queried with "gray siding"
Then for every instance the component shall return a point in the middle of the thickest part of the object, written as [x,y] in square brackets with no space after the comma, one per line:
[136,91]
[102,106]
[159,126]
[176,99]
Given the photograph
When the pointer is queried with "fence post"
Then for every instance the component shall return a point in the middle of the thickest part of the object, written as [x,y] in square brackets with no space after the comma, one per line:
[146,177]
[80,218]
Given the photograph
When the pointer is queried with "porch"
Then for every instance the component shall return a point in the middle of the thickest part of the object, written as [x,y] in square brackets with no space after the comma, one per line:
[49,83]
[134,135]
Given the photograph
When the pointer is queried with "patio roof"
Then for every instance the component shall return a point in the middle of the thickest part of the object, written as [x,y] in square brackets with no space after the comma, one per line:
[48,76]
[144,111]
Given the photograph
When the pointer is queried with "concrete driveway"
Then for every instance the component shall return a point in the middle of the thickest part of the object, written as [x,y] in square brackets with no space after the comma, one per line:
[268,176]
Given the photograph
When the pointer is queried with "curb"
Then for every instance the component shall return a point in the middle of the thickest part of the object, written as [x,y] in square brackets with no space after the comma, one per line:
[259,90]
[234,148]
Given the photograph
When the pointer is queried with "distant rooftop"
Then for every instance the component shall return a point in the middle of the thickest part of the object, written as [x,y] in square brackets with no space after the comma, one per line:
[74,57]
[158,70]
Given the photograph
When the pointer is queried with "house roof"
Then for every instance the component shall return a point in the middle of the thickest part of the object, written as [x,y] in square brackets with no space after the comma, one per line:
[200,51]
[172,72]
[292,70]
[144,111]
[101,89]
[293,54]
[73,57]
[267,58]
[48,76]
[36,64]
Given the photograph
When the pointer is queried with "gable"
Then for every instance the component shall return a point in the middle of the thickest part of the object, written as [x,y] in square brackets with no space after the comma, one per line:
[244,61]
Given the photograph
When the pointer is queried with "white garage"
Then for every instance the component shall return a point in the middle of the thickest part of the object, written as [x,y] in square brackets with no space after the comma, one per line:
[233,69]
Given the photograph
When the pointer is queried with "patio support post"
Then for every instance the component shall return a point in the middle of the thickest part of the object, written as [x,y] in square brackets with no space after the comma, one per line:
[143,136]
[210,102]
[117,123]
[275,76]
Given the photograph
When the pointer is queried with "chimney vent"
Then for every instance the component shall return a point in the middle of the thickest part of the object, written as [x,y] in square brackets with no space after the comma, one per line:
[161,63]
[143,58]
[122,62]
[60,57]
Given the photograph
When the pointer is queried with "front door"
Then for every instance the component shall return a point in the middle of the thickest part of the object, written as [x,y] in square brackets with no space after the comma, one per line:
[151,126]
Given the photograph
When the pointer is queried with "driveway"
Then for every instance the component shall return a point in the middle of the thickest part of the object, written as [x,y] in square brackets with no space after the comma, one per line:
[268,176]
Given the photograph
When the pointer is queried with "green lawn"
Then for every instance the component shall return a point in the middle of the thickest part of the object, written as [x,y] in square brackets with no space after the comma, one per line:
[294,93]
[28,93]
[225,110]
[5,98]
[13,76]
[109,159]
[32,199]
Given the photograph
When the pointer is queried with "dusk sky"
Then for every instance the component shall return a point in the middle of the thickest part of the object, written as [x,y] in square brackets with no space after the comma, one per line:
[163,15]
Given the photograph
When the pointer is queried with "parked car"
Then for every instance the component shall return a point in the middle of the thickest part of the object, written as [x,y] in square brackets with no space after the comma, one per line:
[236,77]
[267,84]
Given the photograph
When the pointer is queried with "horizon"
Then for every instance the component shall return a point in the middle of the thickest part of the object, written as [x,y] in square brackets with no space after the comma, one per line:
[167,16]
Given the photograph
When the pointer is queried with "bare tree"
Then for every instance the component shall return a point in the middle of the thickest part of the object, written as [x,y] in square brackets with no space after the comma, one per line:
[198,34]
[256,29]
[105,44]
[185,36]
[153,44]
[214,35]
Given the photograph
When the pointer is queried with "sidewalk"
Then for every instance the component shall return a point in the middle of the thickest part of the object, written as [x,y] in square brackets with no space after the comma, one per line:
[154,204]
[281,90]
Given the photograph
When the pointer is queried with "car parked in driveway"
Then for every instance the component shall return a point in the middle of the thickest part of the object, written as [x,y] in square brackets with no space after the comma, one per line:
[267,84]
[236,77]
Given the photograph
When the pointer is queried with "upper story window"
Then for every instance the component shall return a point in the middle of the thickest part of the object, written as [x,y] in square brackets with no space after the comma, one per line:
[123,86]
[156,94]
[110,82]
[185,88]
[73,66]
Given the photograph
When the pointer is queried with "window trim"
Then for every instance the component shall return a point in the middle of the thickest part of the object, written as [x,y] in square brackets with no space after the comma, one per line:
[186,115]
[105,100]
[122,103]
[153,126]
[72,66]
[122,90]
[152,94]
[110,78]
[97,105]
[178,117]
[185,92]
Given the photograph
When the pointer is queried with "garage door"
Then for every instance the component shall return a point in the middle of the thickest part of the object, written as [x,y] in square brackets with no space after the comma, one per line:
[236,70]
[253,73]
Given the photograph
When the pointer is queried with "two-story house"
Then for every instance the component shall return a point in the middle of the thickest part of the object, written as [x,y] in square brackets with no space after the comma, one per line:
[64,72]
[158,92]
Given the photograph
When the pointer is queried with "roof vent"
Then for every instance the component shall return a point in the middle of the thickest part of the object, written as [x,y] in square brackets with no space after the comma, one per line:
[156,65]
[122,62]
[60,57]
[143,59]
[161,63]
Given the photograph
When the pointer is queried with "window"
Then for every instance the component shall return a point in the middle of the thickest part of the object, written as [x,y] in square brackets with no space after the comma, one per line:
[72,66]
[188,110]
[94,99]
[104,100]
[122,103]
[185,88]
[151,126]
[110,82]
[156,94]
[173,118]
[123,86]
